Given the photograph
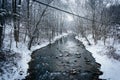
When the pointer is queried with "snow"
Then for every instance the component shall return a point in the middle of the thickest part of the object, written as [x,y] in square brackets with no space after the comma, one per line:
[20,71]
[108,5]
[45,43]
[109,66]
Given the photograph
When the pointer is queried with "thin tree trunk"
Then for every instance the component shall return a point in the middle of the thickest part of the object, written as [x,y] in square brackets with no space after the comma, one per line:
[2,22]
[28,19]
[36,27]
[16,32]
[87,40]
[1,34]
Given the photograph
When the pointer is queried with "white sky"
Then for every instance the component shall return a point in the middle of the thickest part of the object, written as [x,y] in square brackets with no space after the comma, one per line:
[66,1]
[69,17]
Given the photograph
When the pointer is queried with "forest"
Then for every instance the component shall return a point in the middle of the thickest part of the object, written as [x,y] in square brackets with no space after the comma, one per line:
[27,26]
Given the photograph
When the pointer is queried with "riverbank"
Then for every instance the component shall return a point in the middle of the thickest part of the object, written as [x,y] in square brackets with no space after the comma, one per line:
[23,56]
[110,66]
[66,59]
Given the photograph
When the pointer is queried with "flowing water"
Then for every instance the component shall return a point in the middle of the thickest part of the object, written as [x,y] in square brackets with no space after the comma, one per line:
[66,59]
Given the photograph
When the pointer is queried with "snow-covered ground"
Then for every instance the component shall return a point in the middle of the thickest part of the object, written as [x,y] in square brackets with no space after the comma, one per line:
[110,66]
[45,43]
[20,70]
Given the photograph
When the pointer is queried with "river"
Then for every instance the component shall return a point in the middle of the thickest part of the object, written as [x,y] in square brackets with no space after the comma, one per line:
[66,59]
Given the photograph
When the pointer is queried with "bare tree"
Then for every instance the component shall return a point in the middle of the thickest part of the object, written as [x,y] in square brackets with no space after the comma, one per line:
[2,21]
[15,15]
[32,36]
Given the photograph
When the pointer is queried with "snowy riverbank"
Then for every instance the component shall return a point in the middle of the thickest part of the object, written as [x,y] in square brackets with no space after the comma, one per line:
[110,66]
[19,70]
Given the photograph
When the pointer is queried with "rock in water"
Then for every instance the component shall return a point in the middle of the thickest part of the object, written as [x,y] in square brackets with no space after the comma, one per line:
[60,55]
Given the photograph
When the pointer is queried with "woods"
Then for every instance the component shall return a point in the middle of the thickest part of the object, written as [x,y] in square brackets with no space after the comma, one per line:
[31,16]
[27,24]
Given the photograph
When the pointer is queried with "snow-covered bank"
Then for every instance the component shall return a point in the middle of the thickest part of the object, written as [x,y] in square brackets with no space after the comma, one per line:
[110,66]
[45,43]
[19,70]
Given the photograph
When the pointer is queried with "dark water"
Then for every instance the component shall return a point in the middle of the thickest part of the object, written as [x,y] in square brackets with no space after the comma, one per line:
[66,59]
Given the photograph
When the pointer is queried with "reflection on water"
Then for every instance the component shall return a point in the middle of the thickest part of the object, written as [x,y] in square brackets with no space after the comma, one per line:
[66,59]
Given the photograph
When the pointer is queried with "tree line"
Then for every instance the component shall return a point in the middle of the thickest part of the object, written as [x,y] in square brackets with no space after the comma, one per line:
[105,20]
[33,22]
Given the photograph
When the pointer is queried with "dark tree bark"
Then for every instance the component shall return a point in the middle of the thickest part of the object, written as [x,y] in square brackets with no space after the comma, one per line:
[28,21]
[1,33]
[16,27]
[2,22]
[18,24]
[3,4]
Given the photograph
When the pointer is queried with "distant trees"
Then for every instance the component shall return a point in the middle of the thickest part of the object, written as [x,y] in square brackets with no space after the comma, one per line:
[95,8]
[103,18]
[113,14]
[36,30]
[33,22]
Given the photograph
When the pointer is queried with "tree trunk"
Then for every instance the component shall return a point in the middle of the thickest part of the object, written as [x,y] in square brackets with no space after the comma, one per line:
[36,27]
[2,22]
[94,28]
[1,34]
[28,18]
[30,43]
[16,29]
